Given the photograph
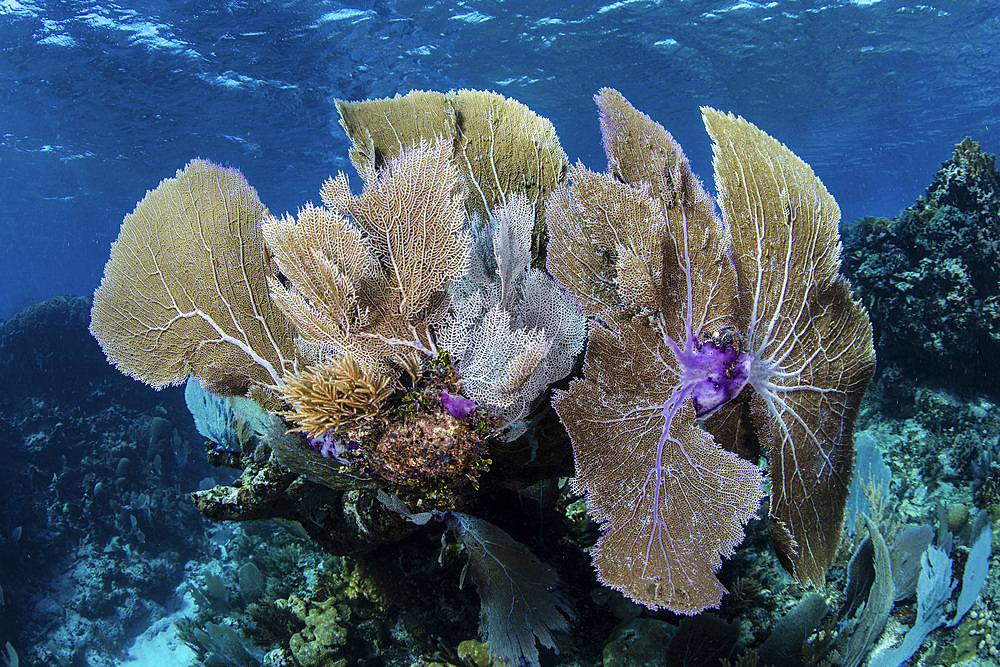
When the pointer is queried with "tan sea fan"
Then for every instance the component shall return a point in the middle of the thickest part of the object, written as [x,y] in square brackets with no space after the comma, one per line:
[367,275]
[333,396]
[185,290]
[643,252]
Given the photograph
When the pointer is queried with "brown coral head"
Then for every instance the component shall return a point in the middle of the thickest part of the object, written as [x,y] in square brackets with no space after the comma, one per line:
[333,396]
[434,454]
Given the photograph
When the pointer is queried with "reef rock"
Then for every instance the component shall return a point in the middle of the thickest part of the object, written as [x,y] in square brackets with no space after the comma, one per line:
[930,278]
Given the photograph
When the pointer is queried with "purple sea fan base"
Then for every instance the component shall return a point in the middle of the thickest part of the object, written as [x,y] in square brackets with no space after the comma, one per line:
[715,374]
[458,407]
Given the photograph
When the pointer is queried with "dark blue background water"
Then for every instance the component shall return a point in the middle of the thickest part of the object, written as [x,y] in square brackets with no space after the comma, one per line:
[100,101]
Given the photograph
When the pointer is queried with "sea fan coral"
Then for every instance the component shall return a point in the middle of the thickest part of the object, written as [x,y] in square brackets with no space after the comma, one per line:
[367,275]
[185,290]
[688,306]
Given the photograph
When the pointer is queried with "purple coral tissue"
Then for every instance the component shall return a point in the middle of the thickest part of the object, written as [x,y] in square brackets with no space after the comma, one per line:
[332,447]
[716,375]
[458,407]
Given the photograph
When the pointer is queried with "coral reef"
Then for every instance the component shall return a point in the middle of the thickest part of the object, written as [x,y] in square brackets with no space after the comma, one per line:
[377,369]
[360,289]
[930,278]
[45,354]
[324,634]
[96,523]
[405,603]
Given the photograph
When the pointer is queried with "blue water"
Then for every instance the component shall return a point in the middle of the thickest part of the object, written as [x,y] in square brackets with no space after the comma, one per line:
[100,101]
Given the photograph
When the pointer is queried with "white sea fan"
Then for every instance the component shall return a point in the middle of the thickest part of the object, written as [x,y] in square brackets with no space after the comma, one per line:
[511,330]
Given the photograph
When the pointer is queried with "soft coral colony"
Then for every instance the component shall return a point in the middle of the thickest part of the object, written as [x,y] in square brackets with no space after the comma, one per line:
[401,343]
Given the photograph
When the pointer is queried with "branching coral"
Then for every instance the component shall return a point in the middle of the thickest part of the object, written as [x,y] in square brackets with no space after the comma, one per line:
[931,277]
[511,329]
[372,283]
[333,397]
